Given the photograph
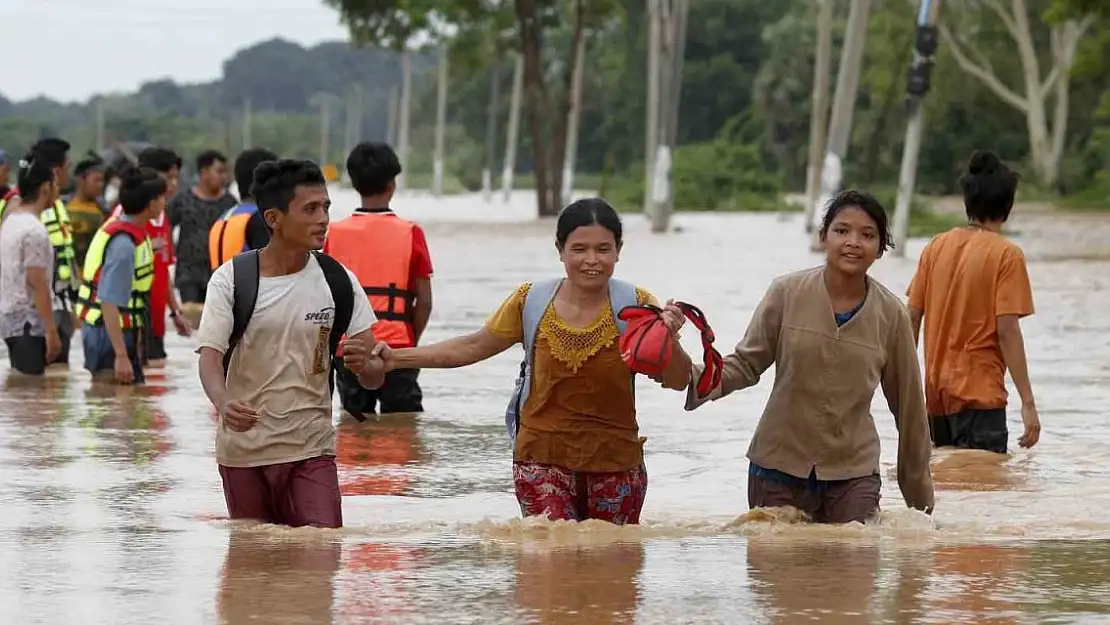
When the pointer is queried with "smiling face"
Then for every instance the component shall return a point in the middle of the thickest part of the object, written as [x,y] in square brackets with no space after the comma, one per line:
[305,223]
[852,242]
[590,254]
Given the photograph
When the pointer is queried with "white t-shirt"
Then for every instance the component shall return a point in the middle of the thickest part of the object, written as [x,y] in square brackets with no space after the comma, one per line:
[24,243]
[280,366]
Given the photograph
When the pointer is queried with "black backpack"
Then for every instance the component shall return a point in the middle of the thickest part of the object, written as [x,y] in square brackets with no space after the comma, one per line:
[246,274]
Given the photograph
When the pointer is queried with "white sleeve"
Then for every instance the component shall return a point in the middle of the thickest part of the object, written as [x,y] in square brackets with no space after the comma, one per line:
[217,320]
[362,317]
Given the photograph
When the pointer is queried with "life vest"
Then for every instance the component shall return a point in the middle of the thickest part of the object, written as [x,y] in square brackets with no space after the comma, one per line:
[56,220]
[647,345]
[88,301]
[227,237]
[377,248]
[540,295]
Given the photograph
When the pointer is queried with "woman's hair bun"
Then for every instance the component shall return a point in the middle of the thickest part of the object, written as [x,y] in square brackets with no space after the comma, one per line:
[983,162]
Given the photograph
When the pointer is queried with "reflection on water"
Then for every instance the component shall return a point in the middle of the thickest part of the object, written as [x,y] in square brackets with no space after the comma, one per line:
[113,514]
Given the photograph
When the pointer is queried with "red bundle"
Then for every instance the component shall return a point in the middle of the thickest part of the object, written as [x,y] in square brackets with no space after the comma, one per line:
[647,346]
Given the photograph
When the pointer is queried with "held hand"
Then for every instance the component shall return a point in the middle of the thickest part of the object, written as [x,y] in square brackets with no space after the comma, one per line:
[181,325]
[1032,423]
[673,317]
[385,353]
[354,355]
[125,374]
[238,416]
[53,345]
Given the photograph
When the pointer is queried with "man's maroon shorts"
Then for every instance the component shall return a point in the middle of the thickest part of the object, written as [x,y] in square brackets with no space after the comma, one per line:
[296,494]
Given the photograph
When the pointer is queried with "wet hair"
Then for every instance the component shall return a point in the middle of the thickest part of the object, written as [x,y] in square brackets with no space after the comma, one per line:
[208,158]
[138,187]
[276,182]
[850,198]
[33,174]
[51,151]
[592,211]
[372,166]
[161,160]
[245,165]
[989,187]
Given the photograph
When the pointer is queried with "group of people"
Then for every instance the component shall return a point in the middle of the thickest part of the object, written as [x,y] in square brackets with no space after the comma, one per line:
[297,309]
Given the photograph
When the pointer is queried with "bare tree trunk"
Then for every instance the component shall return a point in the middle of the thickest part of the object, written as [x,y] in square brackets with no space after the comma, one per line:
[563,110]
[531,36]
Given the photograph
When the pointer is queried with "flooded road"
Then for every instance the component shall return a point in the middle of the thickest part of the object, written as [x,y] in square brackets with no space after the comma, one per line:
[111,510]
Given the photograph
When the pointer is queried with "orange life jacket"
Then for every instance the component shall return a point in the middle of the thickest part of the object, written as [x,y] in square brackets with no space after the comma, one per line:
[227,237]
[377,248]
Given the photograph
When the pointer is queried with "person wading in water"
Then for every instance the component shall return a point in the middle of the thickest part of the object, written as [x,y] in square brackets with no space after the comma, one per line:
[578,453]
[269,331]
[834,335]
[972,288]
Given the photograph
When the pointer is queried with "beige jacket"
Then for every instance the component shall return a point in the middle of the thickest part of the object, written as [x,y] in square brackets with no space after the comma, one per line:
[818,417]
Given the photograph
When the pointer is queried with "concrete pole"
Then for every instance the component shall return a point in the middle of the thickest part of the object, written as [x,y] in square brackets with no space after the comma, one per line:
[441,122]
[673,39]
[651,122]
[514,127]
[403,115]
[246,128]
[924,49]
[99,124]
[325,130]
[844,104]
[574,121]
[491,130]
[392,114]
[819,115]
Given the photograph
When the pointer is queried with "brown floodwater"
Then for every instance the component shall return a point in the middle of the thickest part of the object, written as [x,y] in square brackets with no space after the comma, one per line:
[111,510]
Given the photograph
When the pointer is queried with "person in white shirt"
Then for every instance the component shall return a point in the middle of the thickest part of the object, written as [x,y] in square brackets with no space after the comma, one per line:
[275,442]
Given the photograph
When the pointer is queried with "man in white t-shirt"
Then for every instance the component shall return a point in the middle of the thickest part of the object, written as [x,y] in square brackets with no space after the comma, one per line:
[275,442]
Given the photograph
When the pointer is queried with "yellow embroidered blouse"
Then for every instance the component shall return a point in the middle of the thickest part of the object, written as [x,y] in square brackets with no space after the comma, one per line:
[581,412]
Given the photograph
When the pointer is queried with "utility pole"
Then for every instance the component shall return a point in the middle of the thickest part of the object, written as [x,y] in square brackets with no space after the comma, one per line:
[571,156]
[391,117]
[651,122]
[403,114]
[441,122]
[917,86]
[514,127]
[819,115]
[324,101]
[672,16]
[246,129]
[491,129]
[844,104]
[99,125]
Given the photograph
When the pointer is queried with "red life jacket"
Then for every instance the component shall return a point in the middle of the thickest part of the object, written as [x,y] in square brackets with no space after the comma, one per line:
[647,346]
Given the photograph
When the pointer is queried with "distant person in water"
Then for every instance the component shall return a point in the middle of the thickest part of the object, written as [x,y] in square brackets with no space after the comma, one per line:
[194,210]
[269,331]
[972,288]
[578,453]
[390,256]
[834,335]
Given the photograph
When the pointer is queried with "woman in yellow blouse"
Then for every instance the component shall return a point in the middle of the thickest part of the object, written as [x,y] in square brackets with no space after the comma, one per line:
[578,453]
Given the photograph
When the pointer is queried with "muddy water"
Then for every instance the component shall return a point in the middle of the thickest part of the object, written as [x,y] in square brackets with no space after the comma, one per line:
[111,510]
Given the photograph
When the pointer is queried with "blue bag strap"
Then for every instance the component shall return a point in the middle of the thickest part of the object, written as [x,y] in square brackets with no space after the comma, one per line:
[621,295]
[536,301]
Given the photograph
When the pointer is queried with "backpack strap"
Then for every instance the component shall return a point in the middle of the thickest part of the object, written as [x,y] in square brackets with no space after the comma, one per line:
[621,295]
[342,290]
[536,301]
[244,268]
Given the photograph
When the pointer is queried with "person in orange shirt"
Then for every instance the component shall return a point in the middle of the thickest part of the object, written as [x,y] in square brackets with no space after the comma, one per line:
[971,289]
[391,259]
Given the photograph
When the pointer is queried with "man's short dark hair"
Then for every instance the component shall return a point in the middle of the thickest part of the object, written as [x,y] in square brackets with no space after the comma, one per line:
[276,182]
[138,187]
[51,150]
[89,164]
[245,164]
[208,158]
[161,160]
[372,166]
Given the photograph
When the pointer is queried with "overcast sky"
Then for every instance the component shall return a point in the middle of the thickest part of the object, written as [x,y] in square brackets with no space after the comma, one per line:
[71,49]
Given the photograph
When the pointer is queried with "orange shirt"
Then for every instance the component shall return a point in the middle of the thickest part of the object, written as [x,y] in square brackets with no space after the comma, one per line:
[581,410]
[967,278]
